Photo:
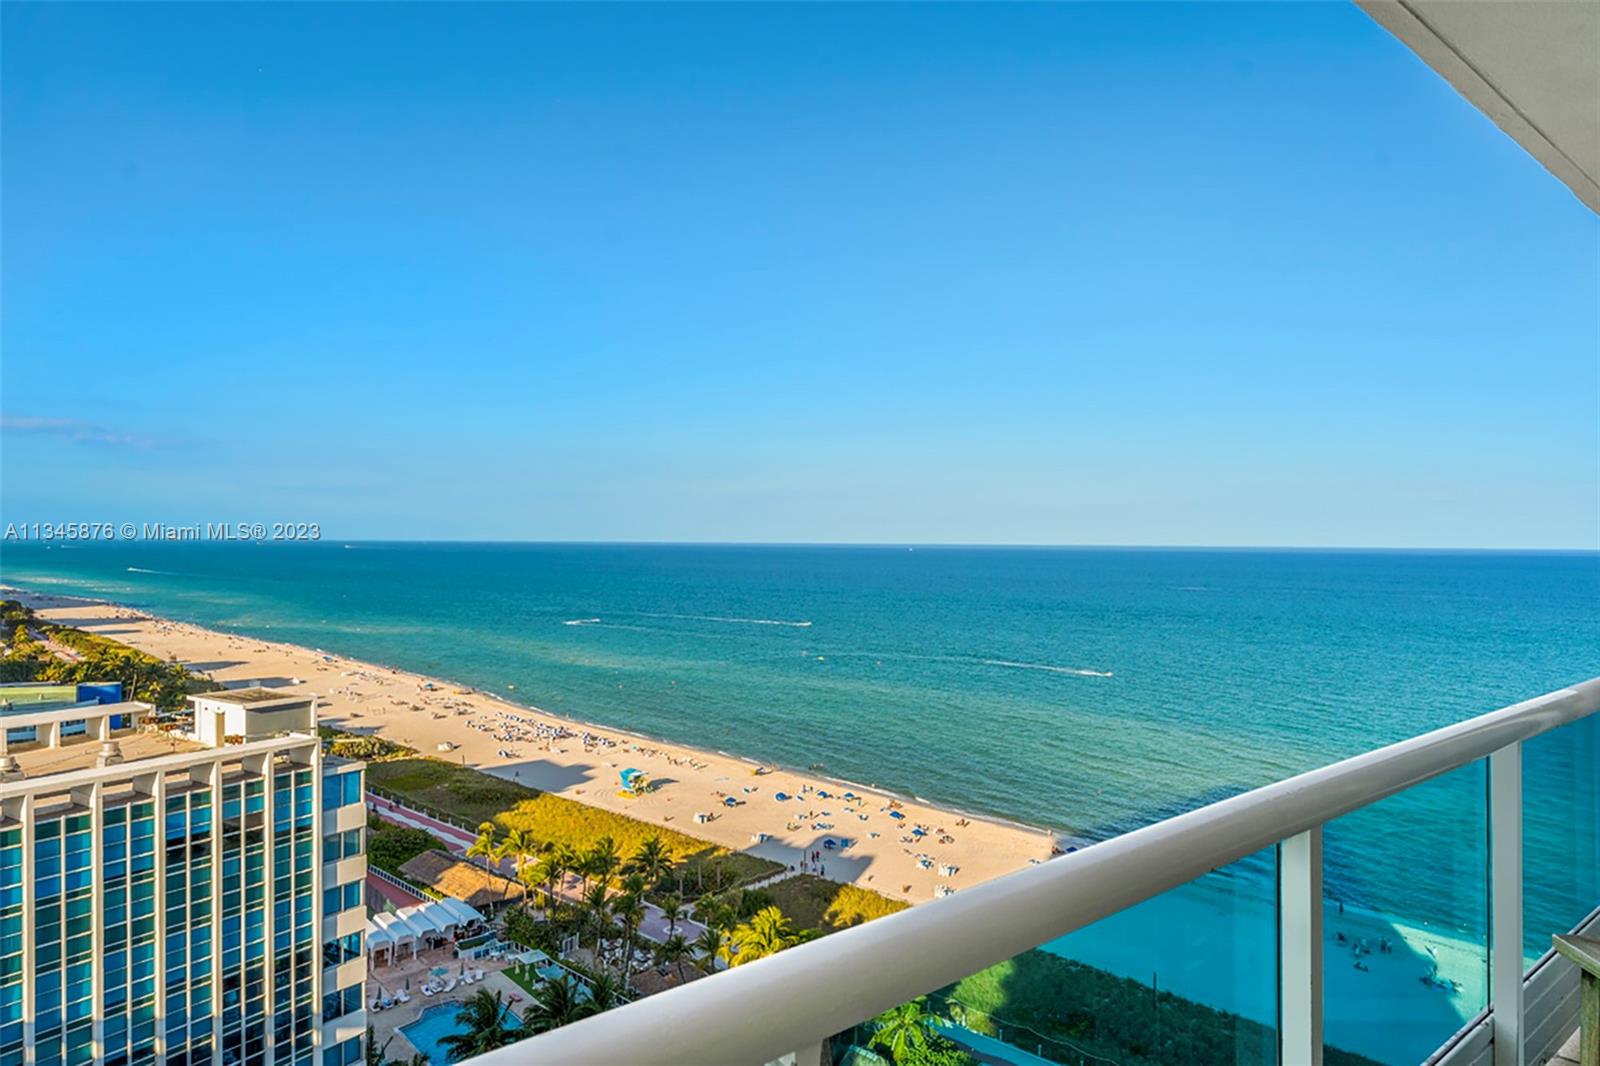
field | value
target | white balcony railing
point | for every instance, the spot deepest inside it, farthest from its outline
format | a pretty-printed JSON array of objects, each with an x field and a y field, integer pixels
[{"x": 788, "y": 1005}]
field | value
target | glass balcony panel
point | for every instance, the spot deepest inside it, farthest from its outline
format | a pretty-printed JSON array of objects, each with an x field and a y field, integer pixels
[
  {"x": 1188, "y": 977},
  {"x": 1406, "y": 919},
  {"x": 1561, "y": 832}
]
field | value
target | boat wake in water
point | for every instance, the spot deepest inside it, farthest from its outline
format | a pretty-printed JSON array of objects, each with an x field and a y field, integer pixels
[{"x": 1047, "y": 668}]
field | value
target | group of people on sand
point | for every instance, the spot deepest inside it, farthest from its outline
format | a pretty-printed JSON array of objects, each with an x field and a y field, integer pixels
[{"x": 512, "y": 728}]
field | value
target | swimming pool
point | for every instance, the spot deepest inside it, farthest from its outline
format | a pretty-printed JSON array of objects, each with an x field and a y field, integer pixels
[{"x": 437, "y": 1022}]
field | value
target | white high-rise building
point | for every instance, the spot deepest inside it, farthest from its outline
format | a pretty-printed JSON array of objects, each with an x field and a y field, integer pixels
[{"x": 183, "y": 896}]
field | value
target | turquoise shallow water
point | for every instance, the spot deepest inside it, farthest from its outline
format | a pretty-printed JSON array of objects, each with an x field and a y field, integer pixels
[{"x": 1087, "y": 690}]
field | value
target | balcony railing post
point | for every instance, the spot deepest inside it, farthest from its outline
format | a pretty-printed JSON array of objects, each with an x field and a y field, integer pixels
[
  {"x": 1505, "y": 893},
  {"x": 1300, "y": 949}
]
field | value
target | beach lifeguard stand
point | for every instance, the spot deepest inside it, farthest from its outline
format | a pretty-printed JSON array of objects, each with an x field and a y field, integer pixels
[{"x": 634, "y": 783}]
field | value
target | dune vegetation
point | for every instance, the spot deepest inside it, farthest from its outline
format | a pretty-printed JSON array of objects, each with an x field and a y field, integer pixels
[{"x": 471, "y": 797}]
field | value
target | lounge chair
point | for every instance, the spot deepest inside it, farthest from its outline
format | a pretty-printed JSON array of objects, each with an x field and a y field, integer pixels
[
  {"x": 450, "y": 985},
  {"x": 478, "y": 974},
  {"x": 402, "y": 996}
]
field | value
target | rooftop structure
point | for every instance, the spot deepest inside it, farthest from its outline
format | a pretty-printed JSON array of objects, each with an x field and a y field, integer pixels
[
  {"x": 453, "y": 877},
  {"x": 248, "y": 713},
  {"x": 163, "y": 893}
]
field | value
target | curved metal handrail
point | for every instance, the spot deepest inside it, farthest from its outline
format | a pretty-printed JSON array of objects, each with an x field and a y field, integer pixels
[{"x": 759, "y": 1012}]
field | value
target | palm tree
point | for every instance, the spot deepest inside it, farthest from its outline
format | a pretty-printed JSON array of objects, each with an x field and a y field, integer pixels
[
  {"x": 518, "y": 846},
  {"x": 605, "y": 992},
  {"x": 484, "y": 848},
  {"x": 673, "y": 910},
  {"x": 598, "y": 911},
  {"x": 674, "y": 951},
  {"x": 548, "y": 872},
  {"x": 629, "y": 910},
  {"x": 570, "y": 862},
  {"x": 554, "y": 1004},
  {"x": 482, "y": 1024},
  {"x": 712, "y": 945},
  {"x": 652, "y": 861},
  {"x": 632, "y": 884},
  {"x": 715, "y": 911},
  {"x": 603, "y": 860},
  {"x": 904, "y": 1029},
  {"x": 766, "y": 933}
]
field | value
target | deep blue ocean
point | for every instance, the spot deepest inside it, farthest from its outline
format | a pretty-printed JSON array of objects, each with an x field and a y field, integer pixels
[{"x": 1086, "y": 690}]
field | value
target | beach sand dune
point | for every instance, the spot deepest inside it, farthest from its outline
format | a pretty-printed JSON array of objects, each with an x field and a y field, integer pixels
[{"x": 899, "y": 847}]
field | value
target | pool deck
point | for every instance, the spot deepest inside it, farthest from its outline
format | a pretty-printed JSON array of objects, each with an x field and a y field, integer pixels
[{"x": 386, "y": 1024}]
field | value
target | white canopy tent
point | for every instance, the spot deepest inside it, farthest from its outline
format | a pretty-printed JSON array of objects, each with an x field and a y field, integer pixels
[
  {"x": 465, "y": 913},
  {"x": 417, "y": 926},
  {"x": 391, "y": 932},
  {"x": 430, "y": 919}
]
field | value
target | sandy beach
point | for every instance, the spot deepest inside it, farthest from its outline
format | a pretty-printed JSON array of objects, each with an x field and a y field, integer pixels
[{"x": 582, "y": 761}]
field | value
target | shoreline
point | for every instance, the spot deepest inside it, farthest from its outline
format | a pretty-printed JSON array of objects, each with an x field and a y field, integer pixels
[
  {"x": 908, "y": 867},
  {"x": 1125, "y": 944},
  {"x": 1062, "y": 837}
]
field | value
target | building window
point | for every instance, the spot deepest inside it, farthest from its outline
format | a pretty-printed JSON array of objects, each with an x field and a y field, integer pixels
[
  {"x": 347, "y": 1053},
  {"x": 341, "y": 790}
]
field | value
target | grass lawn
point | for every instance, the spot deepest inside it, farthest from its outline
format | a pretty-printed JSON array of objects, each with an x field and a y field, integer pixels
[
  {"x": 527, "y": 984},
  {"x": 472, "y": 796},
  {"x": 812, "y": 902}
]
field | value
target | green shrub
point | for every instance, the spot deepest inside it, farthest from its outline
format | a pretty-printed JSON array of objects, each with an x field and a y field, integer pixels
[
  {"x": 393, "y": 846},
  {"x": 354, "y": 746},
  {"x": 813, "y": 902},
  {"x": 938, "y": 1051}
]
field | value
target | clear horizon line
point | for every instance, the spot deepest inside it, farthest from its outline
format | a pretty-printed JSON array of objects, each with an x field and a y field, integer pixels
[{"x": 935, "y": 545}]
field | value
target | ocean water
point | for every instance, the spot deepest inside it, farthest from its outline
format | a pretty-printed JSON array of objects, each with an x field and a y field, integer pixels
[{"x": 1085, "y": 690}]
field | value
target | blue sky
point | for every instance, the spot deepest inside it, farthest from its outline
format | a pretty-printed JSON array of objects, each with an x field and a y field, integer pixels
[{"x": 1211, "y": 274}]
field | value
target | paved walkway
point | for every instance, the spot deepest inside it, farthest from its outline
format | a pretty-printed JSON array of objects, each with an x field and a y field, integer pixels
[
  {"x": 387, "y": 891},
  {"x": 781, "y": 875}
]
